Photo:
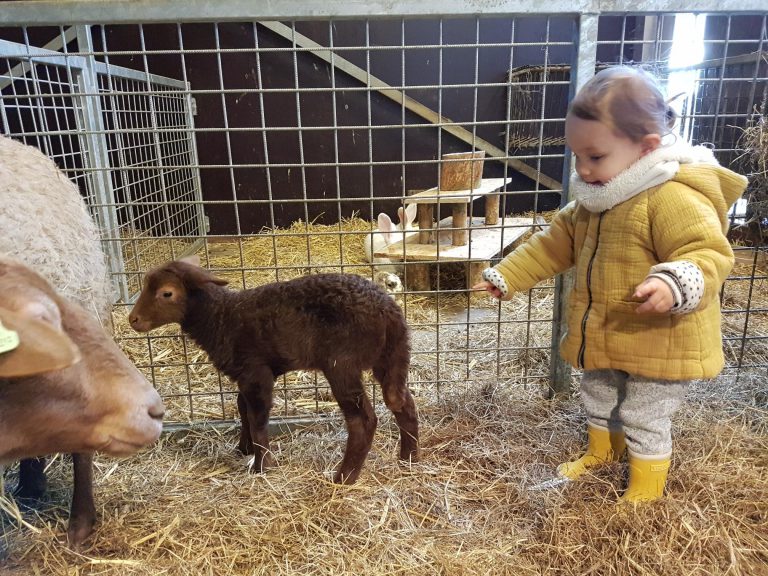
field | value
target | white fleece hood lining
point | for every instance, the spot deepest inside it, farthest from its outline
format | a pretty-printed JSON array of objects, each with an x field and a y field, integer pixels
[{"x": 651, "y": 170}]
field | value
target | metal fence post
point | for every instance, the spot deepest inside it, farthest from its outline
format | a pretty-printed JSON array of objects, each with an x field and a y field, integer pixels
[
  {"x": 96, "y": 160},
  {"x": 582, "y": 70}
]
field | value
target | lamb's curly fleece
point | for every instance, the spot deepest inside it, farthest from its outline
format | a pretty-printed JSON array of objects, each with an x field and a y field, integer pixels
[{"x": 45, "y": 223}]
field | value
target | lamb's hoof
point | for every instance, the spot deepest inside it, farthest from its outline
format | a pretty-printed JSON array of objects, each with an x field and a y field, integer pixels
[
  {"x": 344, "y": 477},
  {"x": 79, "y": 530},
  {"x": 410, "y": 454},
  {"x": 259, "y": 464},
  {"x": 246, "y": 448}
]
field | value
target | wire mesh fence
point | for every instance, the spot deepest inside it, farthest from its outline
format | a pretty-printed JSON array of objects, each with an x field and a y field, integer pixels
[{"x": 269, "y": 147}]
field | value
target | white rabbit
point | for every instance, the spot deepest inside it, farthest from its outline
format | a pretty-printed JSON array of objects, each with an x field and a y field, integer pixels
[{"x": 386, "y": 234}]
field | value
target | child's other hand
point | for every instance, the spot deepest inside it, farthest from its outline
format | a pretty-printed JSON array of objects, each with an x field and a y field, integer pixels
[
  {"x": 491, "y": 289},
  {"x": 657, "y": 295}
]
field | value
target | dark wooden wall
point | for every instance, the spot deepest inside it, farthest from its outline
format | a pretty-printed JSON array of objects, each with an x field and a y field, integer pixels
[
  {"x": 420, "y": 142},
  {"x": 232, "y": 163}
]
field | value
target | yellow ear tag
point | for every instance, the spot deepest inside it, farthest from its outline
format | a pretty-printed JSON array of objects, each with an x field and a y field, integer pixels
[{"x": 9, "y": 340}]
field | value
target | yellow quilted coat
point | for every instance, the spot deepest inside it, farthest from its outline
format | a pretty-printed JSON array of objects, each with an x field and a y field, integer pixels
[{"x": 682, "y": 219}]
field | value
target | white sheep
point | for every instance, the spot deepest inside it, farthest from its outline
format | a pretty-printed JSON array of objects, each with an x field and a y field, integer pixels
[
  {"x": 88, "y": 397},
  {"x": 45, "y": 224}
]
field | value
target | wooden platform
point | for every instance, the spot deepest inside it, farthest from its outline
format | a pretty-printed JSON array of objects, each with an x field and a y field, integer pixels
[
  {"x": 459, "y": 200},
  {"x": 433, "y": 195},
  {"x": 486, "y": 242}
]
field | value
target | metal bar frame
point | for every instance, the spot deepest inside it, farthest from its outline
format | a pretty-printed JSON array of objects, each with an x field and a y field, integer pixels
[
  {"x": 48, "y": 12},
  {"x": 281, "y": 18}
]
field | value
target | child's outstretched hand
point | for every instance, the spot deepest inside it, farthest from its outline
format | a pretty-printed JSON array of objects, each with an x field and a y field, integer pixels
[
  {"x": 657, "y": 295},
  {"x": 491, "y": 289},
  {"x": 494, "y": 283}
]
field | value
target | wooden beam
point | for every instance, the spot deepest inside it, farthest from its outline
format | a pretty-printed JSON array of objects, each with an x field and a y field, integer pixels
[{"x": 409, "y": 103}]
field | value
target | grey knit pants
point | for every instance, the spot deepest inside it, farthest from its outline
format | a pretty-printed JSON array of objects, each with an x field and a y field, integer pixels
[{"x": 643, "y": 408}]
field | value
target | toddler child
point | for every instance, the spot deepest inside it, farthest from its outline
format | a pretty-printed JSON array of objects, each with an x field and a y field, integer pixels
[{"x": 646, "y": 236}]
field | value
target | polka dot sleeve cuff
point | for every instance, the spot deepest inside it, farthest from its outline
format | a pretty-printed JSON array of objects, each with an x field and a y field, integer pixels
[
  {"x": 494, "y": 277},
  {"x": 686, "y": 281}
]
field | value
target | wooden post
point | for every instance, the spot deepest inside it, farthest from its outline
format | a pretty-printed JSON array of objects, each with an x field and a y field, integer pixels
[
  {"x": 475, "y": 275},
  {"x": 492, "y": 209},
  {"x": 425, "y": 216},
  {"x": 459, "y": 224},
  {"x": 417, "y": 277}
]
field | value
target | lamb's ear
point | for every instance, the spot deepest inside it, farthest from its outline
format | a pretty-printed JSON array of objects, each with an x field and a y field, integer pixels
[
  {"x": 41, "y": 347},
  {"x": 194, "y": 276},
  {"x": 193, "y": 259}
]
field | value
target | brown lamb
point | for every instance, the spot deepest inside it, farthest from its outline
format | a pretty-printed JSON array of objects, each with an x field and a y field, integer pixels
[{"x": 340, "y": 324}]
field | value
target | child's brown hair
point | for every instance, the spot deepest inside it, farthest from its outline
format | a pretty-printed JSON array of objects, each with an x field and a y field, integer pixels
[{"x": 627, "y": 100}]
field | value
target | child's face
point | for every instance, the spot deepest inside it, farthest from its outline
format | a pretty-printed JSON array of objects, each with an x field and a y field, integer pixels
[{"x": 601, "y": 153}]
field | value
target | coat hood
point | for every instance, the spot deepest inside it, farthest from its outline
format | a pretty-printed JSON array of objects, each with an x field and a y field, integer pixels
[{"x": 720, "y": 185}]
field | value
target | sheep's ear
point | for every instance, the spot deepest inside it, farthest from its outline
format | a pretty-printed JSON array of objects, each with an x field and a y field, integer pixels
[{"x": 41, "y": 348}]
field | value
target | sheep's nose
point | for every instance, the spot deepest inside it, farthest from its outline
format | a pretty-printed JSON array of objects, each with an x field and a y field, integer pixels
[{"x": 157, "y": 409}]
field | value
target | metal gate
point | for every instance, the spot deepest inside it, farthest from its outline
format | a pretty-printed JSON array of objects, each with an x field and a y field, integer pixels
[
  {"x": 124, "y": 136},
  {"x": 313, "y": 118}
]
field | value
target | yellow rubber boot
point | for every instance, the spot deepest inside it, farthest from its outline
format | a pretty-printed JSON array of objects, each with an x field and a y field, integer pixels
[
  {"x": 647, "y": 478},
  {"x": 604, "y": 446}
]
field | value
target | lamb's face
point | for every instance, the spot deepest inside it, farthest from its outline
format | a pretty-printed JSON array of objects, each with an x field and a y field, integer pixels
[{"x": 163, "y": 300}]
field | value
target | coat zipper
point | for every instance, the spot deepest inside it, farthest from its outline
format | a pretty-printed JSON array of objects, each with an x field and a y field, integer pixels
[{"x": 589, "y": 295}]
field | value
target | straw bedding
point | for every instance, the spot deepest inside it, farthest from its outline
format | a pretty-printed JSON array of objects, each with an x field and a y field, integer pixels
[{"x": 188, "y": 507}]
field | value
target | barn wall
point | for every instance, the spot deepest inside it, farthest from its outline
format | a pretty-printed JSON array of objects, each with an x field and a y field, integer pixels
[{"x": 355, "y": 184}]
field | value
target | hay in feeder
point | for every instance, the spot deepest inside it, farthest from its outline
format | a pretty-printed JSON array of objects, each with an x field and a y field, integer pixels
[
  {"x": 754, "y": 141},
  {"x": 528, "y": 105}
]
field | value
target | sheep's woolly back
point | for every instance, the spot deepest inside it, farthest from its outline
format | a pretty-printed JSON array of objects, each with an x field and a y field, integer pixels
[{"x": 45, "y": 223}]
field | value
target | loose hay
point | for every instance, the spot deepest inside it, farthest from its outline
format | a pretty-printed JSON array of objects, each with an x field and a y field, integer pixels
[{"x": 188, "y": 507}]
